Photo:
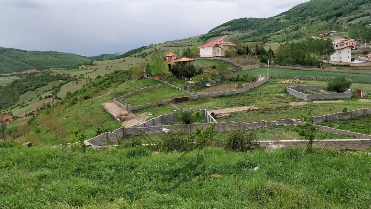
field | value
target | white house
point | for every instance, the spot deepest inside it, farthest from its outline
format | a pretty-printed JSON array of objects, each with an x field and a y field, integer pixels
[
  {"x": 343, "y": 51},
  {"x": 215, "y": 48},
  {"x": 342, "y": 55}
]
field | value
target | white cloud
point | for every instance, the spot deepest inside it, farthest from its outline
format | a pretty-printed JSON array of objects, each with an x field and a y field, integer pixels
[{"x": 91, "y": 27}]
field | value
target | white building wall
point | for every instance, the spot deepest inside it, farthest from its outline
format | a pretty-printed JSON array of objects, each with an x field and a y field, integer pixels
[
  {"x": 207, "y": 52},
  {"x": 342, "y": 55}
]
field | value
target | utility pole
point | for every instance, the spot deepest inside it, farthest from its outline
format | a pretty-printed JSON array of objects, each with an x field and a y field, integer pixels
[{"x": 268, "y": 70}]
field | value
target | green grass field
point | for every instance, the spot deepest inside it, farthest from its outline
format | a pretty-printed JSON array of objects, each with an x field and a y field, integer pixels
[
  {"x": 276, "y": 72},
  {"x": 133, "y": 85},
  {"x": 128, "y": 178},
  {"x": 270, "y": 95},
  {"x": 359, "y": 125},
  {"x": 154, "y": 95},
  {"x": 6, "y": 80},
  {"x": 209, "y": 63}
]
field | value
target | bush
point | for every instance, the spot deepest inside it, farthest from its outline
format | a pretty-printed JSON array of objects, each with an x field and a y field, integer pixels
[
  {"x": 241, "y": 141},
  {"x": 8, "y": 144},
  {"x": 185, "y": 70},
  {"x": 202, "y": 79},
  {"x": 339, "y": 84},
  {"x": 185, "y": 116},
  {"x": 136, "y": 152},
  {"x": 179, "y": 141}
]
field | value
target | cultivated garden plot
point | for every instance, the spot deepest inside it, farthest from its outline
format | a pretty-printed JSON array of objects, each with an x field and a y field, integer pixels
[{"x": 359, "y": 125}]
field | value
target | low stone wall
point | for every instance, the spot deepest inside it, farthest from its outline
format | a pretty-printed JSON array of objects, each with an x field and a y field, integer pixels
[
  {"x": 364, "y": 64},
  {"x": 337, "y": 144},
  {"x": 120, "y": 133},
  {"x": 107, "y": 138},
  {"x": 342, "y": 116},
  {"x": 296, "y": 92}
]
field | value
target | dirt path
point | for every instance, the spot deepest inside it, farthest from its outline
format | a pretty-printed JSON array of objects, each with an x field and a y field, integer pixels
[
  {"x": 231, "y": 110},
  {"x": 327, "y": 102},
  {"x": 365, "y": 100},
  {"x": 138, "y": 119},
  {"x": 298, "y": 103},
  {"x": 115, "y": 110}
]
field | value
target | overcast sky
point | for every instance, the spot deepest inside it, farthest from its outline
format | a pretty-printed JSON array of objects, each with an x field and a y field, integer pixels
[{"x": 92, "y": 27}]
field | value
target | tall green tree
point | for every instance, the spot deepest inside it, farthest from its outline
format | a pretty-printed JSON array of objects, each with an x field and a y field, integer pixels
[
  {"x": 353, "y": 32},
  {"x": 157, "y": 65}
]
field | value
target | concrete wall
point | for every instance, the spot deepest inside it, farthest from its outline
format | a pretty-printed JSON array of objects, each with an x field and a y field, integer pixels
[
  {"x": 207, "y": 52},
  {"x": 107, "y": 138},
  {"x": 296, "y": 92}
]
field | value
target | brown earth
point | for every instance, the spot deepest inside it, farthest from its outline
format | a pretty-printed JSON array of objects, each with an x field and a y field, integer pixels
[{"x": 230, "y": 110}]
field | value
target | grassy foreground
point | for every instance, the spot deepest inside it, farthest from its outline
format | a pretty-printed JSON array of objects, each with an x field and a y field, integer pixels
[{"x": 127, "y": 178}]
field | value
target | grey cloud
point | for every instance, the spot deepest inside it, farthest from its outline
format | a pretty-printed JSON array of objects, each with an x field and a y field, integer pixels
[
  {"x": 91, "y": 27},
  {"x": 20, "y": 3}
]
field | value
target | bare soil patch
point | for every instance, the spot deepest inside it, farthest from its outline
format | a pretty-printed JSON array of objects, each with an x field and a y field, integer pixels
[
  {"x": 231, "y": 110},
  {"x": 365, "y": 100},
  {"x": 138, "y": 119},
  {"x": 327, "y": 102},
  {"x": 298, "y": 103},
  {"x": 221, "y": 87}
]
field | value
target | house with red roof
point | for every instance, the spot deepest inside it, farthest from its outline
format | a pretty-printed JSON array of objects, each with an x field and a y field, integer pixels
[{"x": 215, "y": 48}]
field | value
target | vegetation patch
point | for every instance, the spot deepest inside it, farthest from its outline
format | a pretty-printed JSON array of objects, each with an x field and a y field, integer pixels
[
  {"x": 115, "y": 178},
  {"x": 358, "y": 125},
  {"x": 154, "y": 95}
]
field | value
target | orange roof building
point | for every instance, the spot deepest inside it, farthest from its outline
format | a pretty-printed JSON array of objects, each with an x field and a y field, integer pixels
[
  {"x": 185, "y": 59},
  {"x": 170, "y": 58}
]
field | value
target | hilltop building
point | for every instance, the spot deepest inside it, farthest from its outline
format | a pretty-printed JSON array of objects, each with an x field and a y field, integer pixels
[{"x": 215, "y": 48}]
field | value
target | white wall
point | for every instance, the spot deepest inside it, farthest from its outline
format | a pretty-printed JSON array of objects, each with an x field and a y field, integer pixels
[
  {"x": 342, "y": 55},
  {"x": 206, "y": 52}
]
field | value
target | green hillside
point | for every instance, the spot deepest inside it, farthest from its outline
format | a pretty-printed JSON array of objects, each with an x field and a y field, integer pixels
[
  {"x": 15, "y": 60},
  {"x": 303, "y": 20}
]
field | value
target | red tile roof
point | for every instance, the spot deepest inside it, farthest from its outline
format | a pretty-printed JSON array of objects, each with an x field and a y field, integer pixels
[
  {"x": 171, "y": 54},
  {"x": 217, "y": 41},
  {"x": 185, "y": 59}
]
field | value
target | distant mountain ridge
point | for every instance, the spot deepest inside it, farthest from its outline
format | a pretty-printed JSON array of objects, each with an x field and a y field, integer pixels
[{"x": 15, "y": 60}]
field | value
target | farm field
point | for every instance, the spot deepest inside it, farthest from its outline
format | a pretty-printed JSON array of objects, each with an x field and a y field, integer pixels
[
  {"x": 120, "y": 178},
  {"x": 101, "y": 68},
  {"x": 72, "y": 87},
  {"x": 154, "y": 95},
  {"x": 277, "y": 72},
  {"x": 6, "y": 80},
  {"x": 267, "y": 98},
  {"x": 130, "y": 86},
  {"x": 359, "y": 125}
]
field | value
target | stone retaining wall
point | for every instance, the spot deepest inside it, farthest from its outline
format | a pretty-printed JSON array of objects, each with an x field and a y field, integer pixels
[
  {"x": 106, "y": 138},
  {"x": 296, "y": 92},
  {"x": 322, "y": 70}
]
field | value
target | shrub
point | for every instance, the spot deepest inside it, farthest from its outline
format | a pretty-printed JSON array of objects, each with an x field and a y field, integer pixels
[
  {"x": 339, "y": 84},
  {"x": 136, "y": 152},
  {"x": 241, "y": 141},
  {"x": 185, "y": 70},
  {"x": 176, "y": 142},
  {"x": 8, "y": 144},
  {"x": 185, "y": 116},
  {"x": 201, "y": 79},
  {"x": 135, "y": 142}
]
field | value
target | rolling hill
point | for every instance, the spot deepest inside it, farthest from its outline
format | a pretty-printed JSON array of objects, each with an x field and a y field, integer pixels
[
  {"x": 303, "y": 20},
  {"x": 15, "y": 60}
]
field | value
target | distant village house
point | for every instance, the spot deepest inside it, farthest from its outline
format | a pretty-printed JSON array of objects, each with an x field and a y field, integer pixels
[{"x": 215, "y": 48}]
